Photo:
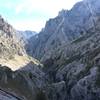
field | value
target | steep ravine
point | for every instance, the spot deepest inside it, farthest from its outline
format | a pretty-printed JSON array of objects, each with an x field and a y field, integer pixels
[
  {"x": 69, "y": 50},
  {"x": 20, "y": 76}
]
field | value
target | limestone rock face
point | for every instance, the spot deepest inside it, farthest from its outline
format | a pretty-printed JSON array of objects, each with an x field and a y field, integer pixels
[
  {"x": 67, "y": 26},
  {"x": 69, "y": 49}
]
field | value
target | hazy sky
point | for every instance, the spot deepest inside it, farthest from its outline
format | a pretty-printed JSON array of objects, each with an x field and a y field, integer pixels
[{"x": 32, "y": 14}]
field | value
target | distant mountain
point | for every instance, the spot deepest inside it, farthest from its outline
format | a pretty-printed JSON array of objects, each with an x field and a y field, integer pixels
[{"x": 25, "y": 34}]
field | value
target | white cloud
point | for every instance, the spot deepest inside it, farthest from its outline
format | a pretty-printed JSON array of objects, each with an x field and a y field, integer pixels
[
  {"x": 35, "y": 25},
  {"x": 45, "y": 7},
  {"x": 19, "y": 8},
  {"x": 50, "y": 7}
]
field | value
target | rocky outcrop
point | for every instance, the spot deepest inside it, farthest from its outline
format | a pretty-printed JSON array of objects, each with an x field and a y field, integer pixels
[{"x": 5, "y": 27}]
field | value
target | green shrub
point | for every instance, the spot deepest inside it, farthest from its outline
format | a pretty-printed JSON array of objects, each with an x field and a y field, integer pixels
[
  {"x": 98, "y": 78},
  {"x": 41, "y": 96}
]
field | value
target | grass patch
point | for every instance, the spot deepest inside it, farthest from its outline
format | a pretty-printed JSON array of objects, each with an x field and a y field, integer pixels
[
  {"x": 17, "y": 61},
  {"x": 41, "y": 96}
]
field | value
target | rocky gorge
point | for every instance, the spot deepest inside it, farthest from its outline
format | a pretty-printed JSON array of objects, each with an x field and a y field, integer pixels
[{"x": 68, "y": 51}]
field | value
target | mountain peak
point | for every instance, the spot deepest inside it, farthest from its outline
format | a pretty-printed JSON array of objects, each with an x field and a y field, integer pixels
[
  {"x": 5, "y": 27},
  {"x": 63, "y": 12}
]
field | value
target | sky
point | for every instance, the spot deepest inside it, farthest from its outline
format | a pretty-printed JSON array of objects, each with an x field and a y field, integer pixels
[{"x": 32, "y": 14}]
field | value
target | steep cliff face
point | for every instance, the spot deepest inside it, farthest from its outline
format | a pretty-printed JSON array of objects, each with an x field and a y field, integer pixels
[
  {"x": 67, "y": 26},
  {"x": 76, "y": 66},
  {"x": 69, "y": 48}
]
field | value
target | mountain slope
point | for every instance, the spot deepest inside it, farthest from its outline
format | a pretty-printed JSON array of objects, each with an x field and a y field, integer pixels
[
  {"x": 20, "y": 76},
  {"x": 12, "y": 51},
  {"x": 9, "y": 45},
  {"x": 69, "y": 48},
  {"x": 67, "y": 26},
  {"x": 24, "y": 83}
]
